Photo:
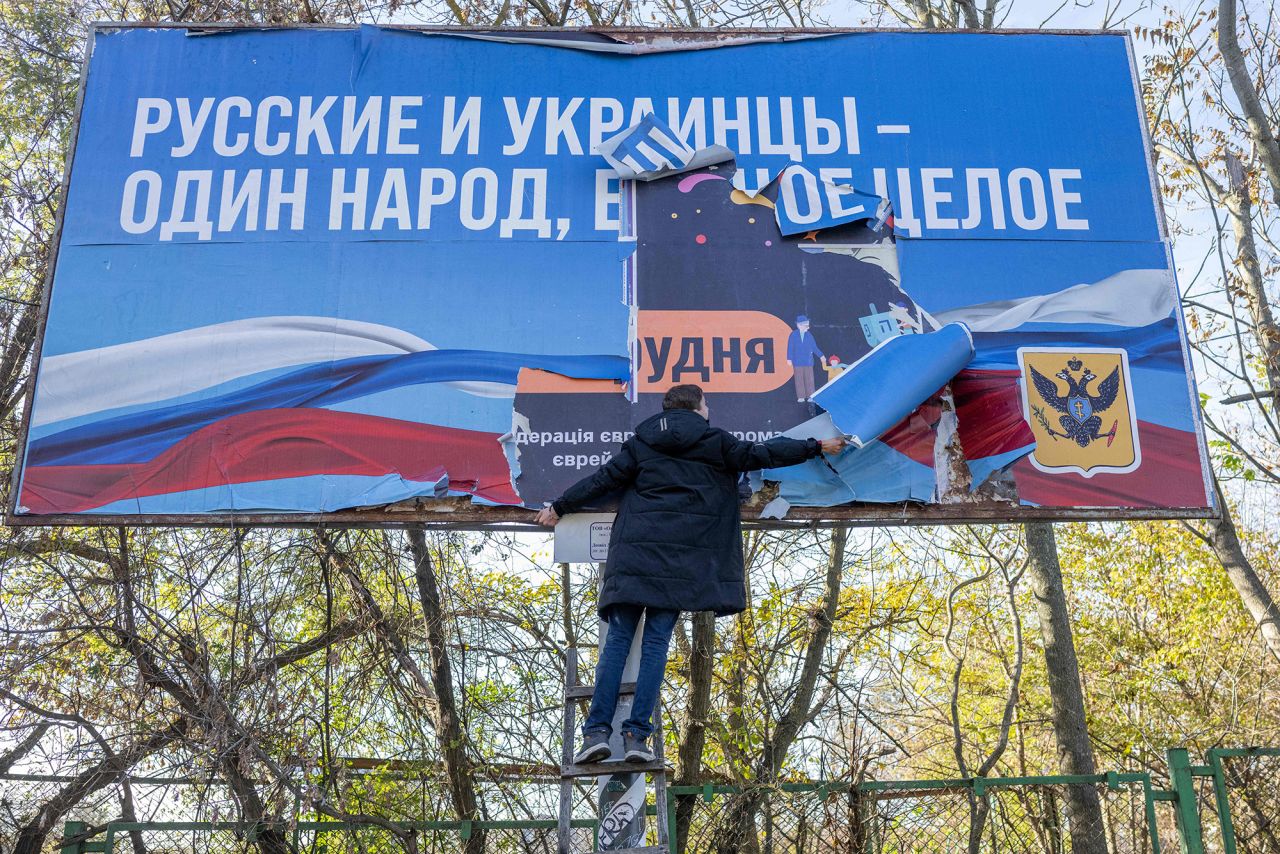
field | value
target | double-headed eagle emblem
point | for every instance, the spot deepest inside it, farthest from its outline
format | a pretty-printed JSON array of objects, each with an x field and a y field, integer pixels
[{"x": 1079, "y": 410}]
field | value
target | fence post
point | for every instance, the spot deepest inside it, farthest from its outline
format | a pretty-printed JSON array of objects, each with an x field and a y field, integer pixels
[
  {"x": 1223, "y": 801},
  {"x": 1149, "y": 802},
  {"x": 69, "y": 830},
  {"x": 1187, "y": 806},
  {"x": 673, "y": 843}
]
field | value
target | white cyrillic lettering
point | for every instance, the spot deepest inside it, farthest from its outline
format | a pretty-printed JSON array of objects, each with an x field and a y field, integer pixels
[
  {"x": 311, "y": 123},
  {"x": 488, "y": 199},
  {"x": 560, "y": 124},
  {"x": 835, "y": 190},
  {"x": 243, "y": 199},
  {"x": 221, "y": 116},
  {"x": 692, "y": 127},
  {"x": 296, "y": 199},
  {"x": 787, "y": 145},
  {"x": 903, "y": 216},
  {"x": 851, "y": 126},
  {"x": 815, "y": 128},
  {"x": 835, "y": 185},
  {"x": 521, "y": 126},
  {"x": 397, "y": 123},
  {"x": 340, "y": 197},
  {"x": 428, "y": 197},
  {"x": 995, "y": 191},
  {"x": 740, "y": 124},
  {"x": 144, "y": 124},
  {"x": 1062, "y": 198},
  {"x": 537, "y": 199},
  {"x": 368, "y": 124},
  {"x": 640, "y": 108},
  {"x": 199, "y": 224},
  {"x": 813, "y": 201},
  {"x": 191, "y": 126},
  {"x": 600, "y": 126},
  {"x": 1039, "y": 211},
  {"x": 262, "y": 126},
  {"x": 151, "y": 204},
  {"x": 393, "y": 202},
  {"x": 608, "y": 198},
  {"x": 934, "y": 197},
  {"x": 456, "y": 125}
]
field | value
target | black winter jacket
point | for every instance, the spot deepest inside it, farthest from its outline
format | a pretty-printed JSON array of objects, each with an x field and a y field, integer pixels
[{"x": 677, "y": 540}]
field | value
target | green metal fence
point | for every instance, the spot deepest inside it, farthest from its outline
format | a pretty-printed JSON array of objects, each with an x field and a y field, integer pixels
[{"x": 1230, "y": 804}]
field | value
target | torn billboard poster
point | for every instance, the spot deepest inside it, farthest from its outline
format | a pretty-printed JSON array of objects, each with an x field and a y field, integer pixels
[
  {"x": 883, "y": 387},
  {"x": 650, "y": 149},
  {"x": 296, "y": 274}
]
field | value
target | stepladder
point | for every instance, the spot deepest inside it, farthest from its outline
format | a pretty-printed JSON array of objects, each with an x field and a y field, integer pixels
[{"x": 623, "y": 796}]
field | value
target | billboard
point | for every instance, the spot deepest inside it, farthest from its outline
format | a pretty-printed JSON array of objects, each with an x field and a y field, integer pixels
[{"x": 382, "y": 274}]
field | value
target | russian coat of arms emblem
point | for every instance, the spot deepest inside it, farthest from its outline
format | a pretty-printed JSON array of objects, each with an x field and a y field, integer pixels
[{"x": 1080, "y": 408}]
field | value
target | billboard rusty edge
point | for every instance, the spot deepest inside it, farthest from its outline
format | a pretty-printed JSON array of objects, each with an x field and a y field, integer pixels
[
  {"x": 466, "y": 517},
  {"x": 460, "y": 514}
]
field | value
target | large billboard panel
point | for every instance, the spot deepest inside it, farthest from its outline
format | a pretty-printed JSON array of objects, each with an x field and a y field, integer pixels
[{"x": 376, "y": 273}]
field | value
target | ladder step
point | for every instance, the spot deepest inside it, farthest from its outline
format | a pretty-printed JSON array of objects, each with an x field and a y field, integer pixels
[
  {"x": 585, "y": 692},
  {"x": 599, "y": 769}
]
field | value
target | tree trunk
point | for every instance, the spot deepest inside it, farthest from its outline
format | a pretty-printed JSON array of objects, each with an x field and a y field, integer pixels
[
  {"x": 1075, "y": 752},
  {"x": 694, "y": 728},
  {"x": 1260, "y": 130},
  {"x": 1265, "y": 331},
  {"x": 453, "y": 742},
  {"x": 1225, "y": 542}
]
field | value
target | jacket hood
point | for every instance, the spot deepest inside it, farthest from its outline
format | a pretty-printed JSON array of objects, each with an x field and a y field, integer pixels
[{"x": 673, "y": 430}]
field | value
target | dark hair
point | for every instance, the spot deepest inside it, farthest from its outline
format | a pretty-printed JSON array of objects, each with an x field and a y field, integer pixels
[{"x": 682, "y": 397}]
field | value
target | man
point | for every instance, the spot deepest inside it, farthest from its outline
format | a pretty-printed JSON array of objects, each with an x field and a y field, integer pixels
[
  {"x": 801, "y": 348},
  {"x": 676, "y": 546}
]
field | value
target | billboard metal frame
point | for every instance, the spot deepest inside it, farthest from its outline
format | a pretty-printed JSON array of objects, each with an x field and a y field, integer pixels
[{"x": 460, "y": 513}]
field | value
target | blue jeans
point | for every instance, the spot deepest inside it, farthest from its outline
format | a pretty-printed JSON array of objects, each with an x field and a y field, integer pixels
[{"x": 623, "y": 619}]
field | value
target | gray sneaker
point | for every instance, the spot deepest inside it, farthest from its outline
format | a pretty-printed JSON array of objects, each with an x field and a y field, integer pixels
[
  {"x": 595, "y": 748},
  {"x": 635, "y": 749}
]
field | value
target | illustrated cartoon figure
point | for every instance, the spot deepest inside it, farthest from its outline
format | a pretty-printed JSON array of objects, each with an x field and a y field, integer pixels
[
  {"x": 834, "y": 367},
  {"x": 801, "y": 348},
  {"x": 1079, "y": 418},
  {"x": 879, "y": 326}
]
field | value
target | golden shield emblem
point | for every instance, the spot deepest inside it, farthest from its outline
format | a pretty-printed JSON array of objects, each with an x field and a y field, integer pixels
[{"x": 1079, "y": 403}]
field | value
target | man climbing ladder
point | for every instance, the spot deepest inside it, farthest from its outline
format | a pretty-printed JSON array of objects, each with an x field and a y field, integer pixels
[{"x": 676, "y": 546}]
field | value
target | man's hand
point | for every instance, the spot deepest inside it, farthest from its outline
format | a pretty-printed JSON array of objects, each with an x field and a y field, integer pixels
[
  {"x": 547, "y": 517},
  {"x": 834, "y": 446}
]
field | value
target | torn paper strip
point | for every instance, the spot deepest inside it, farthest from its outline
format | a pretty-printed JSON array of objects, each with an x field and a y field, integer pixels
[
  {"x": 1127, "y": 298},
  {"x": 884, "y": 386},
  {"x": 650, "y": 149},
  {"x": 807, "y": 203},
  {"x": 775, "y": 509}
]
